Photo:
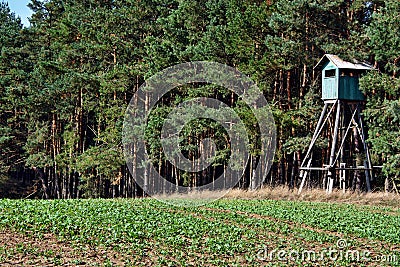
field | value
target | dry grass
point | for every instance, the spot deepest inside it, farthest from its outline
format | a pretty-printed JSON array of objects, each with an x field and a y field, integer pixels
[
  {"x": 284, "y": 193},
  {"x": 318, "y": 195}
]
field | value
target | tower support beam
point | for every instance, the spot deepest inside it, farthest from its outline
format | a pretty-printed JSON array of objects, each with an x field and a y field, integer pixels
[
  {"x": 333, "y": 149},
  {"x": 367, "y": 162},
  {"x": 317, "y": 132}
]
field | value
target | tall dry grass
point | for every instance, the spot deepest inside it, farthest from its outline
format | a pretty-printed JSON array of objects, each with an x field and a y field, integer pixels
[
  {"x": 284, "y": 193},
  {"x": 318, "y": 195}
]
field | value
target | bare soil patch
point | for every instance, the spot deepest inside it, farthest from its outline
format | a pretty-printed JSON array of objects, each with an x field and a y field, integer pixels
[{"x": 17, "y": 249}]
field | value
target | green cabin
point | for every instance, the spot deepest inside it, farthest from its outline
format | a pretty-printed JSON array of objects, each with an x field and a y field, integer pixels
[{"x": 340, "y": 78}]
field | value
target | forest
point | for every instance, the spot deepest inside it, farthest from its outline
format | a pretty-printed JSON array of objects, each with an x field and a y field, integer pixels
[{"x": 67, "y": 79}]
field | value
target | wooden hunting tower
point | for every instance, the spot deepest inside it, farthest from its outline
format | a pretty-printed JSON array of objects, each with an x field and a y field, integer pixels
[{"x": 340, "y": 90}]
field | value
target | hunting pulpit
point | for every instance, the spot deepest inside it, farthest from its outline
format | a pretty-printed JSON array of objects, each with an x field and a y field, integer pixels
[{"x": 347, "y": 149}]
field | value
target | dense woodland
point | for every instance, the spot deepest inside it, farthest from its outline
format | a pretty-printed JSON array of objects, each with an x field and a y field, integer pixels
[{"x": 66, "y": 81}]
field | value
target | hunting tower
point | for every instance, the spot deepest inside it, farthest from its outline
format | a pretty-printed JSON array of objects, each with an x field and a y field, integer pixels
[{"x": 347, "y": 150}]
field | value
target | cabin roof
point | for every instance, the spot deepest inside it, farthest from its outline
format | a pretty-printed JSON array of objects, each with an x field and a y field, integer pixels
[{"x": 341, "y": 64}]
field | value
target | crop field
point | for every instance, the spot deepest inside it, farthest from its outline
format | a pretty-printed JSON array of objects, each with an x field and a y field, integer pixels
[{"x": 227, "y": 232}]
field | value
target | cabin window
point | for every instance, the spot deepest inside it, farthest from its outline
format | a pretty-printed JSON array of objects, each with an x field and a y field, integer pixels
[
  {"x": 349, "y": 73},
  {"x": 330, "y": 73}
]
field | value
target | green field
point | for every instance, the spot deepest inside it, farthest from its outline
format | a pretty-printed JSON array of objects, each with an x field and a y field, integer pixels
[{"x": 145, "y": 232}]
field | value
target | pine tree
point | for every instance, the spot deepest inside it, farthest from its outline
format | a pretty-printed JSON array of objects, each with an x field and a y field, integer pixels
[
  {"x": 383, "y": 88},
  {"x": 14, "y": 70}
]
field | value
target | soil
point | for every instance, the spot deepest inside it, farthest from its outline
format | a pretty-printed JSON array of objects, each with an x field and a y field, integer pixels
[{"x": 22, "y": 250}]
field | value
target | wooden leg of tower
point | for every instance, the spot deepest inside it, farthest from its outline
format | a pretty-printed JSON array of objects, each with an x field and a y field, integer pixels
[
  {"x": 343, "y": 177},
  {"x": 367, "y": 162},
  {"x": 320, "y": 124},
  {"x": 333, "y": 148},
  {"x": 303, "y": 176},
  {"x": 367, "y": 177},
  {"x": 330, "y": 183}
]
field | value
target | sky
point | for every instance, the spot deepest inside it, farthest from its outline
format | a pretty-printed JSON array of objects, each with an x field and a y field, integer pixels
[{"x": 20, "y": 9}]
